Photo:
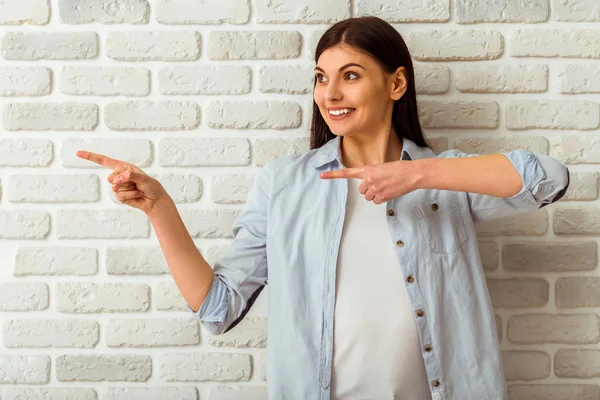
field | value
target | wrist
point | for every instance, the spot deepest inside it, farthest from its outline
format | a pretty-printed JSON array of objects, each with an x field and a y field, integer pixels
[
  {"x": 422, "y": 173},
  {"x": 163, "y": 206}
]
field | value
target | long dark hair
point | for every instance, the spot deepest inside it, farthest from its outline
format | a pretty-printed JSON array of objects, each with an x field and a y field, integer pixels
[{"x": 383, "y": 43}]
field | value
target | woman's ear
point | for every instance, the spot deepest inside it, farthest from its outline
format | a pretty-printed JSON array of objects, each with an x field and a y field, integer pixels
[{"x": 398, "y": 84}]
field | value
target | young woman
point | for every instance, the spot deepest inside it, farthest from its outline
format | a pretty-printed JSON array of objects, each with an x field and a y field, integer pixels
[{"x": 367, "y": 240}]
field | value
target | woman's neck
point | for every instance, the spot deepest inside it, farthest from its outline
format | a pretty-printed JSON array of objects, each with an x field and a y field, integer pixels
[{"x": 361, "y": 150}]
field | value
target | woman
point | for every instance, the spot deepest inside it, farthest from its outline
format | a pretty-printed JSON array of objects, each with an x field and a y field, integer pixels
[{"x": 413, "y": 317}]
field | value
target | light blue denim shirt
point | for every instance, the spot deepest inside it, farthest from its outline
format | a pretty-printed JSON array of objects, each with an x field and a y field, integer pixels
[{"x": 288, "y": 234}]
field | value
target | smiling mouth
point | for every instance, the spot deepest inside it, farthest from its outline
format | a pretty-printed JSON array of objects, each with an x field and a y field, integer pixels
[{"x": 340, "y": 112}]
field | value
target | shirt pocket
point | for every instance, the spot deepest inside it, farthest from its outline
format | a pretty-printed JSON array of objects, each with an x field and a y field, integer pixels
[{"x": 441, "y": 223}]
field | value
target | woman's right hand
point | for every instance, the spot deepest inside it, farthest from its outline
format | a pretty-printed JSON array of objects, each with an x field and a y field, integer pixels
[{"x": 131, "y": 185}]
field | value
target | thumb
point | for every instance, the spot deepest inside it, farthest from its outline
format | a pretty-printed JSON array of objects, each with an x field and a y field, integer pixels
[{"x": 130, "y": 176}]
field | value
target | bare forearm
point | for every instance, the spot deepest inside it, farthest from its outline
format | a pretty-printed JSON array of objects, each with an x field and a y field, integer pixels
[
  {"x": 192, "y": 274},
  {"x": 492, "y": 175}
]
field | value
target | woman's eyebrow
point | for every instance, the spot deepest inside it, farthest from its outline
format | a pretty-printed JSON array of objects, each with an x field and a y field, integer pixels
[{"x": 343, "y": 67}]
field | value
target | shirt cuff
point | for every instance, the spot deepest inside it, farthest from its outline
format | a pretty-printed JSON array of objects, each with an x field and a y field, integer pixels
[
  {"x": 531, "y": 172},
  {"x": 215, "y": 306}
]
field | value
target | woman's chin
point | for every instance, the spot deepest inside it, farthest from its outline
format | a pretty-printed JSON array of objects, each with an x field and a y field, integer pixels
[
  {"x": 341, "y": 129},
  {"x": 337, "y": 131}
]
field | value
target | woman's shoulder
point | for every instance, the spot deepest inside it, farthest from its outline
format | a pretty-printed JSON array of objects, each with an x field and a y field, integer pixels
[
  {"x": 294, "y": 171},
  {"x": 291, "y": 163}
]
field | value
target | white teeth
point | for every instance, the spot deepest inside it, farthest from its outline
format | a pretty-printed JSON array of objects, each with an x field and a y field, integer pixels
[{"x": 340, "y": 112}]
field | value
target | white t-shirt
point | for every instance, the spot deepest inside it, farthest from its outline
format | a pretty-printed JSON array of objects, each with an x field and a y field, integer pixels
[{"x": 376, "y": 350}]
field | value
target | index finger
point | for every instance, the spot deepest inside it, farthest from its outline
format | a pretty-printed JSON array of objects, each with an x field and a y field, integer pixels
[
  {"x": 343, "y": 173},
  {"x": 100, "y": 159}
]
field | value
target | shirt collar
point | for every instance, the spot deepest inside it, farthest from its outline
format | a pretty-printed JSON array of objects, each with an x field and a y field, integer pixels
[{"x": 331, "y": 151}]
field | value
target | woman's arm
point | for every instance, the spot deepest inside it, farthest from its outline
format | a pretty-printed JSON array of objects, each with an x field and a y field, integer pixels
[
  {"x": 191, "y": 273},
  {"x": 497, "y": 185},
  {"x": 137, "y": 189},
  {"x": 220, "y": 298},
  {"x": 492, "y": 174}
]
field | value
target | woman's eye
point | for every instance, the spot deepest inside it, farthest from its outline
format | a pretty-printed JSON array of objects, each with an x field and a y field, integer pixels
[{"x": 321, "y": 78}]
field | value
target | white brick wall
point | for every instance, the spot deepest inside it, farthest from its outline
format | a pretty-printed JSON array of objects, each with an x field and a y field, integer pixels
[{"x": 200, "y": 95}]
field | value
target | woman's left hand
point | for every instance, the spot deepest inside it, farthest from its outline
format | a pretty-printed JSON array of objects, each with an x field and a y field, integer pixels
[{"x": 381, "y": 182}]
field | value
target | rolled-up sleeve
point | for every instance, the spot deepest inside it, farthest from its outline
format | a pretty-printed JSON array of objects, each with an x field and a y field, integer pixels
[
  {"x": 241, "y": 273},
  {"x": 214, "y": 308},
  {"x": 545, "y": 181}
]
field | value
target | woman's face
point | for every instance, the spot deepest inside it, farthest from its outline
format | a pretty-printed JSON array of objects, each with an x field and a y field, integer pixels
[{"x": 352, "y": 91}]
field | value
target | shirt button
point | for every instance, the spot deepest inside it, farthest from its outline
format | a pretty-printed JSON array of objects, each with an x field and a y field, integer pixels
[
  {"x": 434, "y": 206},
  {"x": 420, "y": 313},
  {"x": 436, "y": 383},
  {"x": 400, "y": 243},
  {"x": 410, "y": 279},
  {"x": 428, "y": 348},
  {"x": 391, "y": 212}
]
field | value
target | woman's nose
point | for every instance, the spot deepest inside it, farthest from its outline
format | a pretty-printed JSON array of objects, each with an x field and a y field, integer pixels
[{"x": 333, "y": 92}]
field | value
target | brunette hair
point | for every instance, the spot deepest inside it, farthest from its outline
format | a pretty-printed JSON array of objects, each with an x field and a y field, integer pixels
[{"x": 379, "y": 40}]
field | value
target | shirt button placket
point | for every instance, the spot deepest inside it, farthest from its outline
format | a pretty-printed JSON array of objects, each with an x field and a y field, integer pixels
[
  {"x": 391, "y": 213},
  {"x": 411, "y": 279}
]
